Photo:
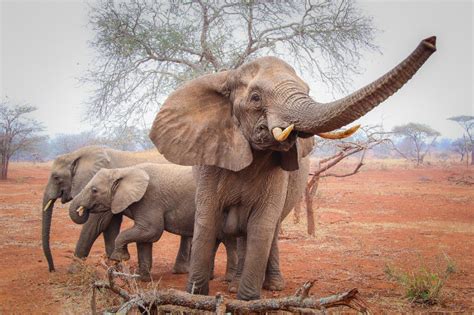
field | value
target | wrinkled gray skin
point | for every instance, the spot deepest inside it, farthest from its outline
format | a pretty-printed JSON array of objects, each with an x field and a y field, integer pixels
[
  {"x": 69, "y": 175},
  {"x": 274, "y": 280},
  {"x": 157, "y": 197},
  {"x": 229, "y": 124}
]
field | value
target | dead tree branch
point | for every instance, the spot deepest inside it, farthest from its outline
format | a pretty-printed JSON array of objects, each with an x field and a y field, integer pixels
[
  {"x": 171, "y": 298},
  {"x": 371, "y": 137}
]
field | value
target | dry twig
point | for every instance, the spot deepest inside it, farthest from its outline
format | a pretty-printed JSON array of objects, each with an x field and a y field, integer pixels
[{"x": 171, "y": 298}]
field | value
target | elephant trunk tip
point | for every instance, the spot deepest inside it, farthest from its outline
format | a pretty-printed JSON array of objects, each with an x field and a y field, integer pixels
[{"x": 430, "y": 43}]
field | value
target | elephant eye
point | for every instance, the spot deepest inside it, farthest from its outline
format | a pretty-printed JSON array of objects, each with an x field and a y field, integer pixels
[
  {"x": 93, "y": 189},
  {"x": 255, "y": 97},
  {"x": 56, "y": 177}
]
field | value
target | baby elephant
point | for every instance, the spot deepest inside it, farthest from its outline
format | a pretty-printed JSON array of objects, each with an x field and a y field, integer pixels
[{"x": 157, "y": 197}]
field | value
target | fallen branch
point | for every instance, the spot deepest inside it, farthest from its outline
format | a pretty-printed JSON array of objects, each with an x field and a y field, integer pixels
[{"x": 300, "y": 302}]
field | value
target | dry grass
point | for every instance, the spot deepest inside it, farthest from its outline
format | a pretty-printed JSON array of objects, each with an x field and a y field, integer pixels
[
  {"x": 75, "y": 292},
  {"x": 423, "y": 285}
]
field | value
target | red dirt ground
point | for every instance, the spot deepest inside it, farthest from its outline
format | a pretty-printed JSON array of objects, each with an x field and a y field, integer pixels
[{"x": 402, "y": 216}]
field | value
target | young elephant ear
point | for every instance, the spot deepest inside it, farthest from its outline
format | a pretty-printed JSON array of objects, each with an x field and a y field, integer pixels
[
  {"x": 85, "y": 164},
  {"x": 128, "y": 187},
  {"x": 195, "y": 126}
]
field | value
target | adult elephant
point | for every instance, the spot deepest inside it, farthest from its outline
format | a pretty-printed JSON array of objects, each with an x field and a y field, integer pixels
[
  {"x": 245, "y": 129},
  {"x": 69, "y": 175}
]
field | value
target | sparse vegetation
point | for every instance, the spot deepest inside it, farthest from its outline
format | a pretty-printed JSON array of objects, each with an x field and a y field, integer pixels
[
  {"x": 422, "y": 285},
  {"x": 18, "y": 132}
]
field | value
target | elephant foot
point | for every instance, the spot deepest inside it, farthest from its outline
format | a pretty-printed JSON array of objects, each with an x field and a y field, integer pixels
[
  {"x": 180, "y": 268},
  {"x": 193, "y": 288},
  {"x": 229, "y": 275},
  {"x": 75, "y": 266},
  {"x": 145, "y": 276},
  {"x": 248, "y": 297},
  {"x": 274, "y": 283},
  {"x": 234, "y": 285},
  {"x": 120, "y": 255}
]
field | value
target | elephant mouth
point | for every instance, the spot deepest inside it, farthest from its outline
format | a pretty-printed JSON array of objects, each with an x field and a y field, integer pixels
[
  {"x": 287, "y": 144},
  {"x": 266, "y": 141},
  {"x": 283, "y": 139},
  {"x": 65, "y": 197},
  {"x": 81, "y": 211}
]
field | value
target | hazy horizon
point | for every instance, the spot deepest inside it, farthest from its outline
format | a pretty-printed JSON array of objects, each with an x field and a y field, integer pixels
[{"x": 44, "y": 51}]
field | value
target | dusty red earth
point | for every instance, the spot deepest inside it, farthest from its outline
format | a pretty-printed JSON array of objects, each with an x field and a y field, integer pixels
[{"x": 400, "y": 216}]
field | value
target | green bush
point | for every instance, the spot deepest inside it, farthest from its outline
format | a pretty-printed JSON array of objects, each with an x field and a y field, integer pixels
[{"x": 422, "y": 285}]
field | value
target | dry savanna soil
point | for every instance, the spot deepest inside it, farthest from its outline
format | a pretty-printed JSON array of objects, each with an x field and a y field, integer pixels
[{"x": 389, "y": 214}]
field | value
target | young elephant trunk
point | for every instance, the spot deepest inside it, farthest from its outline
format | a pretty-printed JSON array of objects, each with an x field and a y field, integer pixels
[
  {"x": 310, "y": 117},
  {"x": 47, "y": 211},
  {"x": 77, "y": 217}
]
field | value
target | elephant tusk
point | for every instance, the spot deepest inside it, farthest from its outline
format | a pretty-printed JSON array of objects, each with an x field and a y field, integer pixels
[
  {"x": 48, "y": 204},
  {"x": 80, "y": 211},
  {"x": 280, "y": 135},
  {"x": 339, "y": 134}
]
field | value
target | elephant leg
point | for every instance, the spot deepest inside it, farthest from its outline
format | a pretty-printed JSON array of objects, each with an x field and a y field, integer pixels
[
  {"x": 204, "y": 239},
  {"x": 181, "y": 264},
  {"x": 230, "y": 244},
  {"x": 259, "y": 242},
  {"x": 274, "y": 280},
  {"x": 145, "y": 260},
  {"x": 241, "y": 249},
  {"x": 213, "y": 259},
  {"x": 139, "y": 233},
  {"x": 111, "y": 232},
  {"x": 95, "y": 225}
]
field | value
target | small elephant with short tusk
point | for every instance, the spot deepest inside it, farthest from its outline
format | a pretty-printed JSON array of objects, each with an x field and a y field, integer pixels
[{"x": 157, "y": 197}]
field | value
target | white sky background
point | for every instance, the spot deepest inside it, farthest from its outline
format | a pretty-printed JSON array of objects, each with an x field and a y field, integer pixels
[{"x": 44, "y": 50}]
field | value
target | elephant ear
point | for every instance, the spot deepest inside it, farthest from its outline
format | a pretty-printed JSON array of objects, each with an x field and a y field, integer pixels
[
  {"x": 128, "y": 187},
  {"x": 86, "y": 163},
  {"x": 195, "y": 126}
]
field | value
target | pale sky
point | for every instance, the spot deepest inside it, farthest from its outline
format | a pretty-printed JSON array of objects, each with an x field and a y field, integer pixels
[{"x": 44, "y": 50}]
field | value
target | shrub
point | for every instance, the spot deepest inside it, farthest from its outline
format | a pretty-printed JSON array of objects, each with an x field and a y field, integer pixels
[{"x": 423, "y": 285}]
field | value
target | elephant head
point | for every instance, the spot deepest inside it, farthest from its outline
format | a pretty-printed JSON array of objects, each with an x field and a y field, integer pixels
[
  {"x": 218, "y": 119},
  {"x": 69, "y": 174},
  {"x": 109, "y": 190}
]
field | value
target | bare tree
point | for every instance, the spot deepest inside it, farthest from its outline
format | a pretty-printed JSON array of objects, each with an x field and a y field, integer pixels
[
  {"x": 128, "y": 138},
  {"x": 417, "y": 138},
  {"x": 370, "y": 137},
  {"x": 65, "y": 143},
  {"x": 467, "y": 124},
  {"x": 17, "y": 132},
  {"x": 146, "y": 48}
]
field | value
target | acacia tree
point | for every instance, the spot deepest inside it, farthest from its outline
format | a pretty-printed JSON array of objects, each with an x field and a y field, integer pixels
[
  {"x": 461, "y": 146},
  {"x": 418, "y": 139},
  {"x": 467, "y": 124},
  {"x": 17, "y": 132},
  {"x": 146, "y": 48}
]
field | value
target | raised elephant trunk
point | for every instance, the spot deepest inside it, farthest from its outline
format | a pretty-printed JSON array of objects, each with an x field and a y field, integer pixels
[
  {"x": 47, "y": 211},
  {"x": 310, "y": 117}
]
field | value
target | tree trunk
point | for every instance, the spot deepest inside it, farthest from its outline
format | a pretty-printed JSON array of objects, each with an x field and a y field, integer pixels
[
  {"x": 297, "y": 213},
  {"x": 309, "y": 193},
  {"x": 4, "y": 174}
]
